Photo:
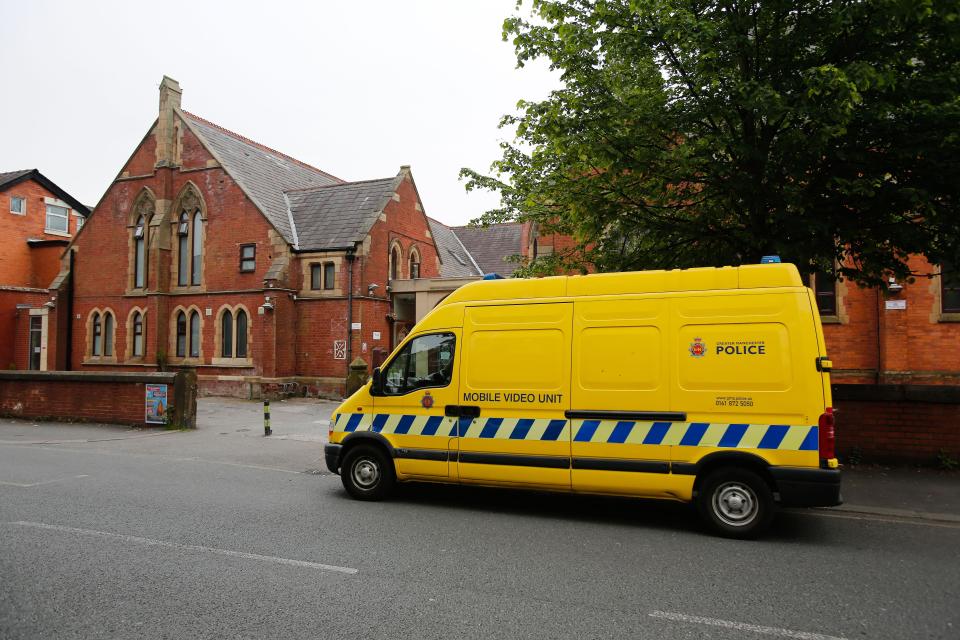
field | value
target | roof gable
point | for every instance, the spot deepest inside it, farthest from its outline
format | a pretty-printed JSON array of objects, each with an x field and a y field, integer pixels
[
  {"x": 13, "y": 178},
  {"x": 338, "y": 216}
]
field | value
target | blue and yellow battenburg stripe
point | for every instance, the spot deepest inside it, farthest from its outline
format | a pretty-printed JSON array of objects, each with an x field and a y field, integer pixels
[{"x": 721, "y": 435}]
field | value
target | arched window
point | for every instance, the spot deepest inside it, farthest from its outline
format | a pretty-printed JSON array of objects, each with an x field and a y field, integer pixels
[
  {"x": 97, "y": 335},
  {"x": 108, "y": 334},
  {"x": 233, "y": 333},
  {"x": 181, "y": 335},
  {"x": 396, "y": 259},
  {"x": 414, "y": 264},
  {"x": 197, "y": 248},
  {"x": 194, "y": 334},
  {"x": 226, "y": 335},
  {"x": 140, "y": 254},
  {"x": 183, "y": 250},
  {"x": 241, "y": 333},
  {"x": 137, "y": 334}
]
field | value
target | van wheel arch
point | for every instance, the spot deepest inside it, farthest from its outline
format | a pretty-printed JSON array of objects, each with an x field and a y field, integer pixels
[
  {"x": 369, "y": 438},
  {"x": 737, "y": 460}
]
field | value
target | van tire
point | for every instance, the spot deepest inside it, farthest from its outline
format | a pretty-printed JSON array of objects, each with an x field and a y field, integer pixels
[
  {"x": 367, "y": 473},
  {"x": 736, "y": 503}
]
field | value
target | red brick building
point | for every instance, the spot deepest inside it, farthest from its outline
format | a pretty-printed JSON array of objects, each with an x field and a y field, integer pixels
[
  {"x": 210, "y": 250},
  {"x": 37, "y": 221}
]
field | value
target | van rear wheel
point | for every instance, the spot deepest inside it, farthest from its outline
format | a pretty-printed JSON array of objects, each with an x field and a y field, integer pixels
[
  {"x": 736, "y": 503},
  {"x": 367, "y": 473}
]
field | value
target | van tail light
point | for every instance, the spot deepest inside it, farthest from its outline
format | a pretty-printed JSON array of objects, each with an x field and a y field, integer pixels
[{"x": 828, "y": 436}]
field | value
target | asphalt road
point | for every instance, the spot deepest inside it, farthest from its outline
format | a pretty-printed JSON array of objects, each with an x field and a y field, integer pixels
[{"x": 113, "y": 533}]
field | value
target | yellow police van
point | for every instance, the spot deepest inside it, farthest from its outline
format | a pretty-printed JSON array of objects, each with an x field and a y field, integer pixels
[{"x": 701, "y": 385}]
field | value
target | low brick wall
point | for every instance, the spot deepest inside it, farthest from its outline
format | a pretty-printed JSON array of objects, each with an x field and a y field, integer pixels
[
  {"x": 897, "y": 423},
  {"x": 115, "y": 398},
  {"x": 257, "y": 388}
]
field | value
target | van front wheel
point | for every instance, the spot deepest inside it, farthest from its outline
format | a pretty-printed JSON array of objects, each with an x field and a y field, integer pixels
[
  {"x": 736, "y": 503},
  {"x": 367, "y": 474}
]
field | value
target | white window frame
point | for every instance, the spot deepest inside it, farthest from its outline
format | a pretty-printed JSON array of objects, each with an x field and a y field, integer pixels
[
  {"x": 60, "y": 204},
  {"x": 23, "y": 205}
]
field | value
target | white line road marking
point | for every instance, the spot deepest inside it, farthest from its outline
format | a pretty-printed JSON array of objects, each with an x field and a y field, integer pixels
[
  {"x": 37, "y": 484},
  {"x": 185, "y": 547},
  {"x": 742, "y": 626}
]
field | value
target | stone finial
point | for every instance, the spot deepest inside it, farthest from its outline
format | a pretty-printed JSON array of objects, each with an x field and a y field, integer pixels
[{"x": 170, "y": 95}]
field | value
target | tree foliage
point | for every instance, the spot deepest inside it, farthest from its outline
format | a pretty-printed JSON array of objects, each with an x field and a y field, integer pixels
[{"x": 690, "y": 133}]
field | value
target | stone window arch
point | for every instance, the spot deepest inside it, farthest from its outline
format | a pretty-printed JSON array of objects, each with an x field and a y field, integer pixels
[
  {"x": 144, "y": 208},
  {"x": 234, "y": 334},
  {"x": 189, "y": 228},
  {"x": 136, "y": 344},
  {"x": 101, "y": 336},
  {"x": 414, "y": 268},
  {"x": 396, "y": 261},
  {"x": 186, "y": 334}
]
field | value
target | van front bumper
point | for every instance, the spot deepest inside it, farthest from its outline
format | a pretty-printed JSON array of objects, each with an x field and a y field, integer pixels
[
  {"x": 806, "y": 487},
  {"x": 332, "y": 454}
]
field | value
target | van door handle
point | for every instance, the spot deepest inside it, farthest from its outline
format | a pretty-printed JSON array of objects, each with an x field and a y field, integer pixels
[{"x": 461, "y": 411}]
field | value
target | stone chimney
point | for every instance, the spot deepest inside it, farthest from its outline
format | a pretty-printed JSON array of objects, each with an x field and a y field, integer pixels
[{"x": 167, "y": 132}]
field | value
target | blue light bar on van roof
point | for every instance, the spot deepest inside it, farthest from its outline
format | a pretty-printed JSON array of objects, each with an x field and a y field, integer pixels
[
  {"x": 770, "y": 260},
  {"x": 493, "y": 276}
]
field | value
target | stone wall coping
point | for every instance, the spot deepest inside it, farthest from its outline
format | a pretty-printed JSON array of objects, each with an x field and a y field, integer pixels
[
  {"x": 89, "y": 376},
  {"x": 925, "y": 393}
]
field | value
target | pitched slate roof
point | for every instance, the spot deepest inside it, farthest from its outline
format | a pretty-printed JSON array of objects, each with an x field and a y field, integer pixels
[
  {"x": 455, "y": 260},
  {"x": 491, "y": 246},
  {"x": 337, "y": 216},
  {"x": 263, "y": 173},
  {"x": 11, "y": 178}
]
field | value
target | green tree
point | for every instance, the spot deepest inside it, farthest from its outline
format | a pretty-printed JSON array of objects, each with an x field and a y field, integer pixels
[{"x": 692, "y": 133}]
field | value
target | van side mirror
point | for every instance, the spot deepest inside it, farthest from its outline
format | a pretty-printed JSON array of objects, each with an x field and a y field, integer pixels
[{"x": 376, "y": 387}]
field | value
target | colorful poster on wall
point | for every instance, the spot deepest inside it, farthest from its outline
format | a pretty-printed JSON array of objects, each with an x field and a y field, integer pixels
[{"x": 156, "y": 403}]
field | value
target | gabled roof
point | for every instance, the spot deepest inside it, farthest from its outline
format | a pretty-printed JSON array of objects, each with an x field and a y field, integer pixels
[
  {"x": 263, "y": 173},
  {"x": 491, "y": 246},
  {"x": 12, "y": 178},
  {"x": 338, "y": 216},
  {"x": 455, "y": 260}
]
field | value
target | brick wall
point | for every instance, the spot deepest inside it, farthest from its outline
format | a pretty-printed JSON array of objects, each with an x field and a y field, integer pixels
[
  {"x": 114, "y": 398},
  {"x": 103, "y": 266},
  {"x": 319, "y": 322},
  {"x": 15, "y": 325},
  {"x": 17, "y": 263},
  {"x": 897, "y": 423},
  {"x": 871, "y": 343}
]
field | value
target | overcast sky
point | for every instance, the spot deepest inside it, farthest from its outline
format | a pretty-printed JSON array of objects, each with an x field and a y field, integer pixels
[{"x": 355, "y": 88}]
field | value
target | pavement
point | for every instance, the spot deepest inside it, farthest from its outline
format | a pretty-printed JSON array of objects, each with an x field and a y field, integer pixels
[{"x": 112, "y": 532}]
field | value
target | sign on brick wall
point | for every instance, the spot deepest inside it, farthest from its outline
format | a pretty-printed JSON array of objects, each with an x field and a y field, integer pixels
[
  {"x": 339, "y": 349},
  {"x": 156, "y": 403}
]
